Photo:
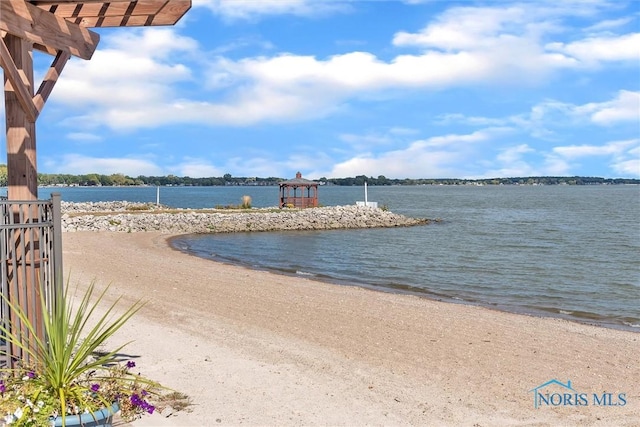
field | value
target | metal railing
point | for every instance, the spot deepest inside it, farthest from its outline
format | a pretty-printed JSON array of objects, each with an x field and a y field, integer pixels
[{"x": 30, "y": 261}]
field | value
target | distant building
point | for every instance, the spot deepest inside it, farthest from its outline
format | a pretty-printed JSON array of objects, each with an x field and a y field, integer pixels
[{"x": 298, "y": 193}]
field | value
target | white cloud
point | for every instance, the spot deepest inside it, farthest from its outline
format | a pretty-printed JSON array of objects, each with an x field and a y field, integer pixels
[
  {"x": 513, "y": 162},
  {"x": 624, "y": 156},
  {"x": 625, "y": 107},
  {"x": 364, "y": 141},
  {"x": 377, "y": 138},
  {"x": 608, "y": 24},
  {"x": 628, "y": 168},
  {"x": 457, "y": 139},
  {"x": 464, "y": 28},
  {"x": 514, "y": 154},
  {"x": 152, "y": 42},
  {"x": 197, "y": 168},
  {"x": 598, "y": 49},
  {"x": 79, "y": 164},
  {"x": 84, "y": 137},
  {"x": 442, "y": 156},
  {"x": 243, "y": 43},
  {"x": 456, "y": 118},
  {"x": 266, "y": 166},
  {"x": 413, "y": 162},
  {"x": 555, "y": 166},
  {"x": 234, "y": 9},
  {"x": 134, "y": 82},
  {"x": 546, "y": 116},
  {"x": 133, "y": 70},
  {"x": 611, "y": 148}
]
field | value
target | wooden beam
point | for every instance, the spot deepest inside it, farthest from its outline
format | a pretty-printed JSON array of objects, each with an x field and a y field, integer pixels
[
  {"x": 31, "y": 106},
  {"x": 117, "y": 13},
  {"x": 38, "y": 26},
  {"x": 17, "y": 83},
  {"x": 21, "y": 132},
  {"x": 50, "y": 80}
]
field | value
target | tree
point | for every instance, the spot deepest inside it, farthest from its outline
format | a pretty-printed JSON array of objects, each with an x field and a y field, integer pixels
[
  {"x": 360, "y": 180},
  {"x": 3, "y": 175},
  {"x": 93, "y": 180},
  {"x": 120, "y": 179}
]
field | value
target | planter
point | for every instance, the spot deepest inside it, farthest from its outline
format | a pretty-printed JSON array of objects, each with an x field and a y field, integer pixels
[{"x": 101, "y": 418}]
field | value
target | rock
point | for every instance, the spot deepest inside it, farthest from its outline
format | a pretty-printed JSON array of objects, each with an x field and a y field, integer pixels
[{"x": 132, "y": 217}]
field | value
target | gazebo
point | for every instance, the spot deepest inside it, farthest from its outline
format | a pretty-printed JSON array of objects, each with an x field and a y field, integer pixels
[
  {"x": 298, "y": 193},
  {"x": 30, "y": 246}
]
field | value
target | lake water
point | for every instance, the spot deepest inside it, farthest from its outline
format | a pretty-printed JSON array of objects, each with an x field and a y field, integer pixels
[{"x": 562, "y": 251}]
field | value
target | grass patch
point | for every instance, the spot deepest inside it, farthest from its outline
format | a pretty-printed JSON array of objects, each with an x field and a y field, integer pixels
[
  {"x": 139, "y": 208},
  {"x": 218, "y": 209},
  {"x": 176, "y": 400}
]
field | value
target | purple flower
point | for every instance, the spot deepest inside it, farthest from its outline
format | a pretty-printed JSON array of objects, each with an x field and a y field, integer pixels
[
  {"x": 31, "y": 374},
  {"x": 141, "y": 403},
  {"x": 135, "y": 400},
  {"x": 3, "y": 387},
  {"x": 131, "y": 364},
  {"x": 95, "y": 387},
  {"x": 144, "y": 392}
]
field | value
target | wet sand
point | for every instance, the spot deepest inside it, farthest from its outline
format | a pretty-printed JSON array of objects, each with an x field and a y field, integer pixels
[{"x": 256, "y": 348}]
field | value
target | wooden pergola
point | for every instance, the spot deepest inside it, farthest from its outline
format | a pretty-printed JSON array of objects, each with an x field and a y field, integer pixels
[
  {"x": 62, "y": 29},
  {"x": 59, "y": 28}
]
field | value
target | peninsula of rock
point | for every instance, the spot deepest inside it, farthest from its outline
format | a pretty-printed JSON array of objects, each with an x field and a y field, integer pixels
[{"x": 137, "y": 217}]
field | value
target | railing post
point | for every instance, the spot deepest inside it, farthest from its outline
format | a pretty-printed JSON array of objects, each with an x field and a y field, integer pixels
[{"x": 57, "y": 247}]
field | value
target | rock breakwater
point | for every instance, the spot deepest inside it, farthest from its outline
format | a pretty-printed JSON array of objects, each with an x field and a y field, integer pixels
[{"x": 135, "y": 217}]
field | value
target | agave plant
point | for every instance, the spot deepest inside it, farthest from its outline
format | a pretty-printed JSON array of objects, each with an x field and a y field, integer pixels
[{"x": 67, "y": 374}]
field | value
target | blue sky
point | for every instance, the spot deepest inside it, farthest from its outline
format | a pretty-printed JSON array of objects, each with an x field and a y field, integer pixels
[{"x": 405, "y": 89}]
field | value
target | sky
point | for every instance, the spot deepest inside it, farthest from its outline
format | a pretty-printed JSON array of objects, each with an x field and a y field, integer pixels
[{"x": 404, "y": 89}]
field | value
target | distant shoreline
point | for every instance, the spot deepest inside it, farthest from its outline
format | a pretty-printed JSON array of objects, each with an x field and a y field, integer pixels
[{"x": 120, "y": 180}]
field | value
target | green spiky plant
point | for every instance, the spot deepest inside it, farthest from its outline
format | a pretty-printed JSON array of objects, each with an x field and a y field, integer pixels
[{"x": 67, "y": 373}]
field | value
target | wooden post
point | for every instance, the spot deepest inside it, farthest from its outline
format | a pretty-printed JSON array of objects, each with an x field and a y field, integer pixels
[
  {"x": 24, "y": 289},
  {"x": 21, "y": 132}
]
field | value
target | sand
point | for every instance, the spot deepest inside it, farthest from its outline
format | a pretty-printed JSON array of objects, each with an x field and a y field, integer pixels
[{"x": 256, "y": 348}]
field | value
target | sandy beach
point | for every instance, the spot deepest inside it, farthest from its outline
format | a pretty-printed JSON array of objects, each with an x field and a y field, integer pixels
[{"x": 255, "y": 348}]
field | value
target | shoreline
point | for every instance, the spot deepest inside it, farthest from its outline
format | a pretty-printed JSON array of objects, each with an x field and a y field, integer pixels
[
  {"x": 257, "y": 348},
  {"x": 541, "y": 313}
]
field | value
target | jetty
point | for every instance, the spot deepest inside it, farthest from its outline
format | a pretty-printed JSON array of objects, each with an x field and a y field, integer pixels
[{"x": 136, "y": 217}]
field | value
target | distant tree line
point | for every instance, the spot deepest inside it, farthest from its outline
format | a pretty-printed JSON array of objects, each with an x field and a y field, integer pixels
[
  {"x": 534, "y": 180},
  {"x": 95, "y": 180}
]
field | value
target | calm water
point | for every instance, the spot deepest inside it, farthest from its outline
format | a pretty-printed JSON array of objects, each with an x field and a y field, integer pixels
[{"x": 564, "y": 251}]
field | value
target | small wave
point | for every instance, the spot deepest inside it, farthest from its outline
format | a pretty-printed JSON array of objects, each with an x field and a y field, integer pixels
[
  {"x": 304, "y": 273},
  {"x": 565, "y": 312},
  {"x": 631, "y": 325}
]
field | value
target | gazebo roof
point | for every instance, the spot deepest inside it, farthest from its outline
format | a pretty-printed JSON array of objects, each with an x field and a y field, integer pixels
[
  {"x": 116, "y": 13},
  {"x": 299, "y": 181}
]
